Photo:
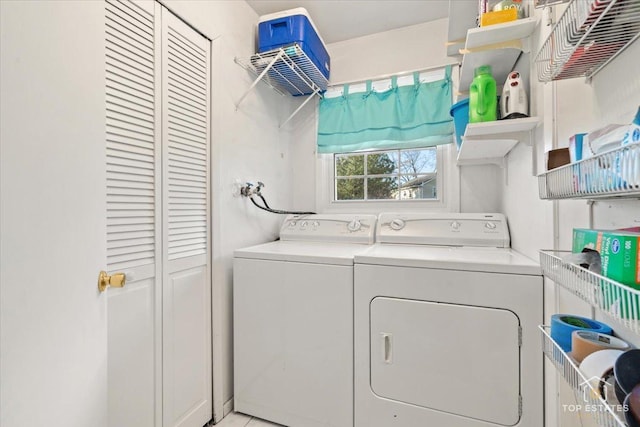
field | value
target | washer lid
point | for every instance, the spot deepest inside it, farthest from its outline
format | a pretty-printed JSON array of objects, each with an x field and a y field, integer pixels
[
  {"x": 309, "y": 252},
  {"x": 491, "y": 260}
]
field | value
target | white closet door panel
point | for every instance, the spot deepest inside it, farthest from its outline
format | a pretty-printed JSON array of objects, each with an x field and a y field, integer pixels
[
  {"x": 117, "y": 190},
  {"x": 140, "y": 14},
  {"x": 121, "y": 29},
  {"x": 123, "y": 224},
  {"x": 133, "y": 102},
  {"x": 176, "y": 106},
  {"x": 188, "y": 125},
  {"x": 185, "y": 106},
  {"x": 133, "y": 118},
  {"x": 129, "y": 36},
  {"x": 130, "y": 362},
  {"x": 133, "y": 227},
  {"x": 135, "y": 166},
  {"x": 127, "y": 74},
  {"x": 124, "y": 173},
  {"x": 126, "y": 247},
  {"x": 187, "y": 382},
  {"x": 123, "y": 88},
  {"x": 187, "y": 391},
  {"x": 180, "y": 165},
  {"x": 133, "y": 152}
]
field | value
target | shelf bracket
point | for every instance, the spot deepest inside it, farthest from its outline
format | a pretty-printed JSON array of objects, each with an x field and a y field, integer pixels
[
  {"x": 309, "y": 98},
  {"x": 534, "y": 154},
  {"x": 260, "y": 77},
  {"x": 505, "y": 170}
]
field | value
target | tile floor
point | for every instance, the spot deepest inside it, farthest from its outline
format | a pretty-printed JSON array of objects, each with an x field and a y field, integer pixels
[{"x": 235, "y": 419}]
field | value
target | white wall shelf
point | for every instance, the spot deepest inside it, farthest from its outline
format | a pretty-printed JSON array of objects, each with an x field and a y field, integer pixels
[
  {"x": 586, "y": 396},
  {"x": 286, "y": 70},
  {"x": 501, "y": 61},
  {"x": 499, "y": 33},
  {"x": 498, "y": 45},
  {"x": 620, "y": 302},
  {"x": 490, "y": 142},
  {"x": 483, "y": 151},
  {"x": 613, "y": 174}
]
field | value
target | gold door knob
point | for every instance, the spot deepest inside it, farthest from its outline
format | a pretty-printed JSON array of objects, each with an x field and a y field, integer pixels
[{"x": 116, "y": 280}]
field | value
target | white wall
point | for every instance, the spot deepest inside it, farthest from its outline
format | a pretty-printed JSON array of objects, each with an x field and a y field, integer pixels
[
  {"x": 247, "y": 145},
  {"x": 53, "y": 325},
  {"x": 405, "y": 49}
]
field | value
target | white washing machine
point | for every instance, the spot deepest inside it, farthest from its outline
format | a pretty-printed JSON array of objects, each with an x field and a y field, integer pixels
[
  {"x": 445, "y": 325},
  {"x": 293, "y": 321}
]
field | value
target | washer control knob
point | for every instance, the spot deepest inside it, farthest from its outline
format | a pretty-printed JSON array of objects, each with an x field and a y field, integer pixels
[
  {"x": 397, "y": 224},
  {"x": 490, "y": 225},
  {"x": 303, "y": 225},
  {"x": 354, "y": 225},
  {"x": 292, "y": 224},
  {"x": 455, "y": 225},
  {"x": 315, "y": 224}
]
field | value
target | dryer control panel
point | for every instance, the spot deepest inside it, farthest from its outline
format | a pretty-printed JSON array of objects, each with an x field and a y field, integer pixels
[
  {"x": 341, "y": 228},
  {"x": 489, "y": 230}
]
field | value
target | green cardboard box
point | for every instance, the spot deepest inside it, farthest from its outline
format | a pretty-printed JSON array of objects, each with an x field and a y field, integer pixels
[{"x": 619, "y": 252}]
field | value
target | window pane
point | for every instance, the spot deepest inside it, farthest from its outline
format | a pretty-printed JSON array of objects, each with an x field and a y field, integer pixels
[
  {"x": 350, "y": 189},
  {"x": 390, "y": 175},
  {"x": 382, "y": 163},
  {"x": 350, "y": 165},
  {"x": 382, "y": 188},
  {"x": 421, "y": 187},
  {"x": 414, "y": 162}
]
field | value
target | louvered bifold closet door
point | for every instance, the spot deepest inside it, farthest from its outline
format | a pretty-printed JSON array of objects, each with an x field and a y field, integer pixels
[
  {"x": 133, "y": 165},
  {"x": 186, "y": 248}
]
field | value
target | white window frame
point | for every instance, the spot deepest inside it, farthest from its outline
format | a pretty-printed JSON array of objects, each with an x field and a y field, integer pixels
[{"x": 448, "y": 189}]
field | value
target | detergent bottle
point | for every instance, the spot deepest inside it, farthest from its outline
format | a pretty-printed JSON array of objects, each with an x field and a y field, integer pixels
[{"x": 483, "y": 99}]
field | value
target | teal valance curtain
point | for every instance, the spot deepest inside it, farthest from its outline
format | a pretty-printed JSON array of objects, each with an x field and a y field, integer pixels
[{"x": 410, "y": 116}]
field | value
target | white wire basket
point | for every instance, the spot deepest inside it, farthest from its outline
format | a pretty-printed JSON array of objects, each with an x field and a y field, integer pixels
[
  {"x": 619, "y": 301},
  {"x": 615, "y": 173},
  {"x": 588, "y": 35},
  {"x": 587, "y": 397},
  {"x": 287, "y": 70}
]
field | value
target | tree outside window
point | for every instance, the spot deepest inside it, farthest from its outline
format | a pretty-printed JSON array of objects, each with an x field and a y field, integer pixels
[{"x": 386, "y": 175}]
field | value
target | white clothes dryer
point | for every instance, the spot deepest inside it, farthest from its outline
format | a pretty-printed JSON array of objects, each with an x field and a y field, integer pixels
[
  {"x": 445, "y": 325},
  {"x": 293, "y": 321}
]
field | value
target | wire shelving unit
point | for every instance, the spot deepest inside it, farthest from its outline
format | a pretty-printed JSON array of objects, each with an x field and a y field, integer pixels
[
  {"x": 615, "y": 173},
  {"x": 586, "y": 395},
  {"x": 588, "y": 35},
  {"x": 619, "y": 301},
  {"x": 287, "y": 70}
]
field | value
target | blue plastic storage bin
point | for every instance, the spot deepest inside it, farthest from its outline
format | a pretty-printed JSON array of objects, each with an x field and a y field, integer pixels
[
  {"x": 460, "y": 113},
  {"x": 293, "y": 26}
]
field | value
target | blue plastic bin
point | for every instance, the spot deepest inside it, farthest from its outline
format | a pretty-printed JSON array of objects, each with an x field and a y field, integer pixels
[
  {"x": 295, "y": 28},
  {"x": 460, "y": 113}
]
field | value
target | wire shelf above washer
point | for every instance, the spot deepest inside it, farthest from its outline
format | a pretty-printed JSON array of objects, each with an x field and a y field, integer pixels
[
  {"x": 615, "y": 173},
  {"x": 602, "y": 413},
  {"x": 620, "y": 302},
  {"x": 588, "y": 35},
  {"x": 287, "y": 70}
]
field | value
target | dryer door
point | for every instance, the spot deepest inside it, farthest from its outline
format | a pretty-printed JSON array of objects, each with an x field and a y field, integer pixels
[{"x": 458, "y": 359}]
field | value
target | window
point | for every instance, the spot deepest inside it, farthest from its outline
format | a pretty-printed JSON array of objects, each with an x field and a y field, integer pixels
[{"x": 386, "y": 175}]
